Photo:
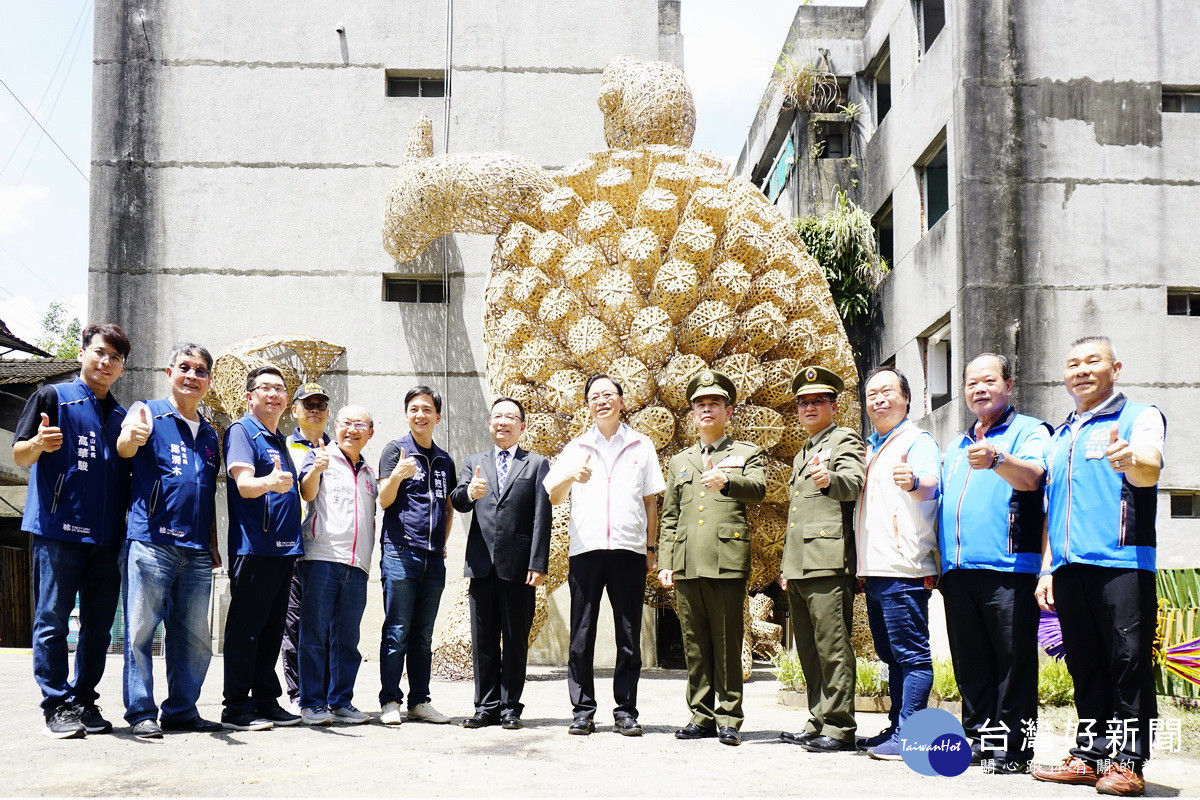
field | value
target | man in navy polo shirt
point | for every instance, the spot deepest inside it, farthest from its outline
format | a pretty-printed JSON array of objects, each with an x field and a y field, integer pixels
[
  {"x": 415, "y": 478},
  {"x": 264, "y": 542},
  {"x": 172, "y": 547},
  {"x": 75, "y": 509}
]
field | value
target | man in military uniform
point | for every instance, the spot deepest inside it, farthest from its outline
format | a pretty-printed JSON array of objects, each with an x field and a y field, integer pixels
[
  {"x": 705, "y": 541},
  {"x": 818, "y": 561}
]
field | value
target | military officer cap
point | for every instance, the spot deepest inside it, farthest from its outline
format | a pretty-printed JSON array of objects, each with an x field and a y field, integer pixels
[
  {"x": 710, "y": 382},
  {"x": 817, "y": 380}
]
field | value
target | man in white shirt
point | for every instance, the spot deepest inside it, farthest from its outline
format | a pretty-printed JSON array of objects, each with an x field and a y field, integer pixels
[{"x": 611, "y": 475}]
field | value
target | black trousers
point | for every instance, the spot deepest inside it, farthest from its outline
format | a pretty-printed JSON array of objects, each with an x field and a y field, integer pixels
[
  {"x": 992, "y": 621},
  {"x": 1108, "y": 619},
  {"x": 258, "y": 589},
  {"x": 501, "y": 616},
  {"x": 623, "y": 573},
  {"x": 291, "y": 637}
]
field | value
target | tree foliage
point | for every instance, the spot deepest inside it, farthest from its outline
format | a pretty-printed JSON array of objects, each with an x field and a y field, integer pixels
[
  {"x": 843, "y": 243},
  {"x": 60, "y": 335}
]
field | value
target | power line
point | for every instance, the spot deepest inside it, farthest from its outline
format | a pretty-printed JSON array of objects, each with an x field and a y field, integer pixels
[
  {"x": 53, "y": 141},
  {"x": 58, "y": 292}
]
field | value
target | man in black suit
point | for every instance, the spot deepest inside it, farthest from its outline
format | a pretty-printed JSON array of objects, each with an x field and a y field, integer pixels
[{"x": 508, "y": 555}]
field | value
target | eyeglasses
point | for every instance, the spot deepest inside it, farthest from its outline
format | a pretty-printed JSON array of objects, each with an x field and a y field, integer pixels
[
  {"x": 815, "y": 402},
  {"x": 505, "y": 418},
  {"x": 188, "y": 369},
  {"x": 601, "y": 396},
  {"x": 354, "y": 426},
  {"x": 315, "y": 405},
  {"x": 116, "y": 359},
  {"x": 270, "y": 388}
]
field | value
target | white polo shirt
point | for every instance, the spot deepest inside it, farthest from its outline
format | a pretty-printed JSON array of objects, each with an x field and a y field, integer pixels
[{"x": 609, "y": 512}]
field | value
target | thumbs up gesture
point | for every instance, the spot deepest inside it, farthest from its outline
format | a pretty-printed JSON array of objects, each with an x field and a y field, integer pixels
[
  {"x": 1120, "y": 456},
  {"x": 903, "y": 475},
  {"x": 583, "y": 473},
  {"x": 48, "y": 437},
  {"x": 139, "y": 431},
  {"x": 406, "y": 467},
  {"x": 279, "y": 479},
  {"x": 320, "y": 460},
  {"x": 477, "y": 488},
  {"x": 819, "y": 472},
  {"x": 713, "y": 479},
  {"x": 980, "y": 454}
]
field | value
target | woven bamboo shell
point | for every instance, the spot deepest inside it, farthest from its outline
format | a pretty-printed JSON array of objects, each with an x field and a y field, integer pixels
[
  {"x": 744, "y": 370},
  {"x": 709, "y": 205},
  {"x": 560, "y": 308},
  {"x": 791, "y": 441},
  {"x": 763, "y": 426},
  {"x": 694, "y": 243},
  {"x": 227, "y": 392},
  {"x": 728, "y": 282},
  {"x": 768, "y": 522},
  {"x": 774, "y": 286},
  {"x": 766, "y": 637},
  {"x": 636, "y": 381},
  {"x": 531, "y": 397},
  {"x": 540, "y": 358},
  {"x": 548, "y": 250},
  {"x": 544, "y": 433},
  {"x": 580, "y": 177},
  {"x": 615, "y": 185},
  {"x": 514, "y": 243},
  {"x": 747, "y": 242},
  {"x": 657, "y": 209},
  {"x": 706, "y": 330},
  {"x": 640, "y": 256},
  {"x": 678, "y": 179},
  {"x": 760, "y": 328},
  {"x": 617, "y": 300},
  {"x": 592, "y": 344},
  {"x": 560, "y": 208},
  {"x": 798, "y": 341},
  {"x": 651, "y": 337},
  {"x": 600, "y": 225},
  {"x": 776, "y": 389},
  {"x": 514, "y": 328},
  {"x": 676, "y": 289},
  {"x": 580, "y": 421},
  {"x": 528, "y": 287},
  {"x": 778, "y": 474},
  {"x": 673, "y": 381},
  {"x": 564, "y": 390},
  {"x": 656, "y": 422}
]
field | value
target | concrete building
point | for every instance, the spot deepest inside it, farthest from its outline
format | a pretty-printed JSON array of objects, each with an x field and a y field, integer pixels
[
  {"x": 1033, "y": 173},
  {"x": 242, "y": 152}
]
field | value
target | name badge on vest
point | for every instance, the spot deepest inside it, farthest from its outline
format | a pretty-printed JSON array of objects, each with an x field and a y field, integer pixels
[
  {"x": 734, "y": 462},
  {"x": 1097, "y": 442}
]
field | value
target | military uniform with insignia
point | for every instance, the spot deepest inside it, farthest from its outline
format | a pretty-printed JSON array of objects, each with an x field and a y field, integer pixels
[
  {"x": 818, "y": 564},
  {"x": 705, "y": 552}
]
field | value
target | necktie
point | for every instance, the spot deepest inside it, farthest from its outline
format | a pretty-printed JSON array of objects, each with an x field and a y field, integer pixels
[{"x": 502, "y": 469}]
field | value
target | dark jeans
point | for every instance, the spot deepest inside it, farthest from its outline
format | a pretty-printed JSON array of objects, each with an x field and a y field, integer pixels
[
  {"x": 413, "y": 580},
  {"x": 501, "y": 617},
  {"x": 258, "y": 588},
  {"x": 289, "y": 649},
  {"x": 992, "y": 621},
  {"x": 62, "y": 570},
  {"x": 335, "y": 596},
  {"x": 623, "y": 572},
  {"x": 1108, "y": 619},
  {"x": 898, "y": 612}
]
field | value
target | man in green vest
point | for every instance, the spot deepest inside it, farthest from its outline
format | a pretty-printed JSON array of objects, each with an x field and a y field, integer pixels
[
  {"x": 818, "y": 561},
  {"x": 705, "y": 543}
]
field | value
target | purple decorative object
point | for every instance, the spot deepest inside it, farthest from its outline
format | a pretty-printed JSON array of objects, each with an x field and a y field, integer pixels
[{"x": 1050, "y": 635}]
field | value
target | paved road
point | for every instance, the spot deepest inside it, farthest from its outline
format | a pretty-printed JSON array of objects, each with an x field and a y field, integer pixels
[{"x": 423, "y": 760}]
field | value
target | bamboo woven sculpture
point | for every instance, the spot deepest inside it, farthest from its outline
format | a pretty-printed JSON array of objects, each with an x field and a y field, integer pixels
[{"x": 647, "y": 260}]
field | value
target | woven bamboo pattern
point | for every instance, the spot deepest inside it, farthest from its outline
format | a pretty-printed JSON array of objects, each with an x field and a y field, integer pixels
[
  {"x": 778, "y": 474},
  {"x": 645, "y": 260},
  {"x": 769, "y": 524},
  {"x": 656, "y": 422},
  {"x": 299, "y": 358},
  {"x": 766, "y": 637}
]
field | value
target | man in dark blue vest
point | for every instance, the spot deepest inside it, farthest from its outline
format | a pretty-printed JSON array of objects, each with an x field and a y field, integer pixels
[
  {"x": 172, "y": 547},
  {"x": 264, "y": 542},
  {"x": 75, "y": 509}
]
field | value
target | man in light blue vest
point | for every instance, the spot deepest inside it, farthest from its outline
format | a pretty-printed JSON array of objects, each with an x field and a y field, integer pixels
[
  {"x": 172, "y": 547},
  {"x": 1098, "y": 568},
  {"x": 75, "y": 509}
]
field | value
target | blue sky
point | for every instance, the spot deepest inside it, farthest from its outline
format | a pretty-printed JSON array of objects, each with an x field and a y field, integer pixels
[{"x": 46, "y": 61}]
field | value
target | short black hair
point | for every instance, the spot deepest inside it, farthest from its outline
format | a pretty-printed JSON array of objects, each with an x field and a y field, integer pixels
[
  {"x": 417, "y": 391},
  {"x": 1005, "y": 365},
  {"x": 587, "y": 387},
  {"x": 514, "y": 401},
  {"x": 265, "y": 369},
  {"x": 108, "y": 332},
  {"x": 900, "y": 376}
]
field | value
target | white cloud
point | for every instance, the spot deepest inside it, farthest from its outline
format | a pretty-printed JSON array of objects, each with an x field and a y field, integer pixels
[{"x": 20, "y": 207}]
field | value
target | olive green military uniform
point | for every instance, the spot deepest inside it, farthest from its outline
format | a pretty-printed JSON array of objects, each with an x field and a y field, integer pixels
[
  {"x": 818, "y": 562},
  {"x": 704, "y": 540}
]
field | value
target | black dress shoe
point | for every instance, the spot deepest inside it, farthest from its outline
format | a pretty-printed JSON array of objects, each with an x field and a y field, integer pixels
[
  {"x": 627, "y": 726},
  {"x": 826, "y": 744},
  {"x": 512, "y": 723},
  {"x": 796, "y": 738},
  {"x": 694, "y": 731},
  {"x": 582, "y": 726},
  {"x": 480, "y": 720},
  {"x": 193, "y": 725},
  {"x": 729, "y": 736}
]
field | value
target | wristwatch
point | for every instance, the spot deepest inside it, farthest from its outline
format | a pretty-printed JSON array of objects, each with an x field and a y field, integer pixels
[
  {"x": 998, "y": 459},
  {"x": 651, "y": 548}
]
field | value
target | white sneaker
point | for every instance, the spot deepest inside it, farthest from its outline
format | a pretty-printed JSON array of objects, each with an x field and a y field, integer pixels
[
  {"x": 293, "y": 706},
  {"x": 315, "y": 716},
  {"x": 424, "y": 712},
  {"x": 351, "y": 715},
  {"x": 391, "y": 714}
]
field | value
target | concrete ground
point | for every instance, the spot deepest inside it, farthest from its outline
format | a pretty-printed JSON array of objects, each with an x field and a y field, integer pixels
[{"x": 417, "y": 759}]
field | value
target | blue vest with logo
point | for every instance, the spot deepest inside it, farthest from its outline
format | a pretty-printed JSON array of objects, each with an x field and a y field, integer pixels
[
  {"x": 79, "y": 493},
  {"x": 1094, "y": 515},
  {"x": 985, "y": 523},
  {"x": 268, "y": 525},
  {"x": 417, "y": 517},
  {"x": 174, "y": 481}
]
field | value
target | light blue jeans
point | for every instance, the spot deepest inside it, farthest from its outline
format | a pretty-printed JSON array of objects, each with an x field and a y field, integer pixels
[{"x": 172, "y": 585}]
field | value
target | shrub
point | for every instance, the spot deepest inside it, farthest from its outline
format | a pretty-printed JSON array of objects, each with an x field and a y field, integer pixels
[
  {"x": 1054, "y": 684},
  {"x": 787, "y": 670},
  {"x": 872, "y": 678},
  {"x": 945, "y": 685}
]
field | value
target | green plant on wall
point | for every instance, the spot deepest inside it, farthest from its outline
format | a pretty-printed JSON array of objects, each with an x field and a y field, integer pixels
[
  {"x": 843, "y": 243},
  {"x": 805, "y": 81}
]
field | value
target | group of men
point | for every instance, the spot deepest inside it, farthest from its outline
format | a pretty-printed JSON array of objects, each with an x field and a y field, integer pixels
[{"x": 1014, "y": 515}]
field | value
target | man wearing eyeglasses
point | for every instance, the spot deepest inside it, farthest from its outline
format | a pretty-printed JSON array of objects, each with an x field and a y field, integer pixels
[
  {"x": 264, "y": 542},
  {"x": 172, "y": 546},
  {"x": 818, "y": 560},
  {"x": 75, "y": 511},
  {"x": 612, "y": 476},
  {"x": 310, "y": 408},
  {"x": 508, "y": 555}
]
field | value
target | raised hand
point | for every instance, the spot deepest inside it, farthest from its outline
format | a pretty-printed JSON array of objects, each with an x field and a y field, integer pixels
[
  {"x": 902, "y": 474},
  {"x": 583, "y": 473},
  {"x": 406, "y": 467},
  {"x": 819, "y": 473},
  {"x": 1119, "y": 454},
  {"x": 713, "y": 478},
  {"x": 279, "y": 479},
  {"x": 477, "y": 488},
  {"x": 139, "y": 431},
  {"x": 981, "y": 454},
  {"x": 48, "y": 438},
  {"x": 320, "y": 460}
]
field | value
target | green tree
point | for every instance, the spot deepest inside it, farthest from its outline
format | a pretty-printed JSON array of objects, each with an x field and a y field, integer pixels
[{"x": 60, "y": 336}]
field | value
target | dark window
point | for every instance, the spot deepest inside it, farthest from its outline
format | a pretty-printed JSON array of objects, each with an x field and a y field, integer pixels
[
  {"x": 1183, "y": 302},
  {"x": 416, "y": 86},
  {"x": 832, "y": 140},
  {"x": 884, "y": 233},
  {"x": 1181, "y": 102},
  {"x": 880, "y": 74},
  {"x": 935, "y": 188},
  {"x": 938, "y": 377},
  {"x": 414, "y": 290},
  {"x": 1185, "y": 505},
  {"x": 931, "y": 18}
]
